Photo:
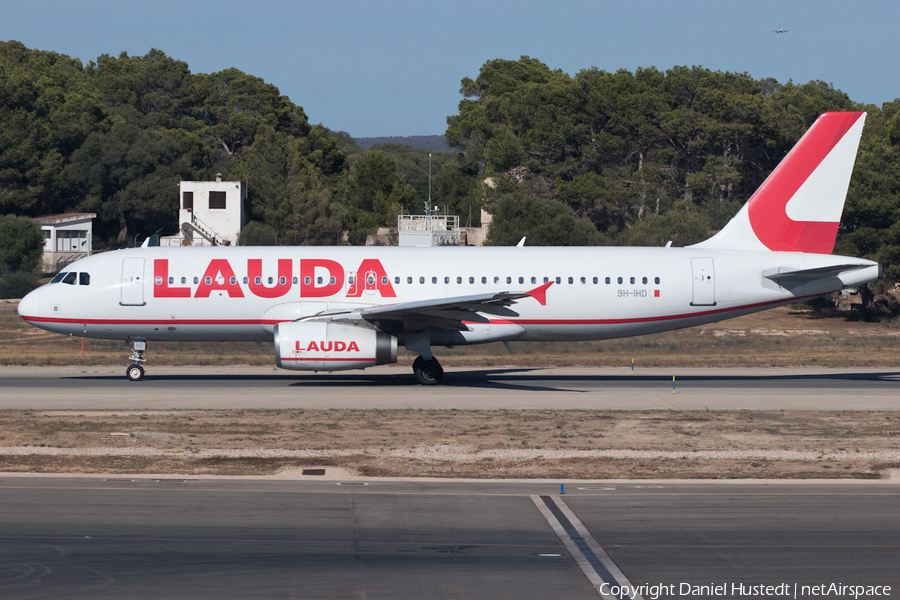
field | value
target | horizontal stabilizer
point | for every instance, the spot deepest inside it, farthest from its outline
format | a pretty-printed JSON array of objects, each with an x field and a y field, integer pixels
[{"x": 791, "y": 274}]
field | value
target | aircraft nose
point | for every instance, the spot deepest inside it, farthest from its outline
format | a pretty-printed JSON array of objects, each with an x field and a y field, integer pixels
[{"x": 28, "y": 306}]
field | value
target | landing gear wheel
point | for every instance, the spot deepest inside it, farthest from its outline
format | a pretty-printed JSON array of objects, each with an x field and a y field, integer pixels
[
  {"x": 134, "y": 372},
  {"x": 428, "y": 372}
]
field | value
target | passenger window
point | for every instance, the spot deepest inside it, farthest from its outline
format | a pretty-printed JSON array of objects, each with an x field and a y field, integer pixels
[
  {"x": 319, "y": 280},
  {"x": 245, "y": 280},
  {"x": 484, "y": 280},
  {"x": 595, "y": 281},
  {"x": 509, "y": 280},
  {"x": 607, "y": 281},
  {"x": 459, "y": 280},
  {"x": 644, "y": 280},
  {"x": 471, "y": 280},
  {"x": 421, "y": 280},
  {"x": 558, "y": 280},
  {"x": 384, "y": 280},
  {"x": 208, "y": 280},
  {"x": 84, "y": 279},
  {"x": 281, "y": 280},
  {"x": 631, "y": 280},
  {"x": 58, "y": 278},
  {"x": 434, "y": 280},
  {"x": 656, "y": 280},
  {"x": 521, "y": 280},
  {"x": 534, "y": 280},
  {"x": 233, "y": 280},
  {"x": 269, "y": 280},
  {"x": 306, "y": 280},
  {"x": 546, "y": 279},
  {"x": 294, "y": 280},
  {"x": 184, "y": 280},
  {"x": 331, "y": 280},
  {"x": 571, "y": 280},
  {"x": 196, "y": 280},
  {"x": 350, "y": 279},
  {"x": 258, "y": 280},
  {"x": 409, "y": 280},
  {"x": 496, "y": 280},
  {"x": 171, "y": 280},
  {"x": 446, "y": 280},
  {"x": 370, "y": 280},
  {"x": 583, "y": 280},
  {"x": 619, "y": 280}
]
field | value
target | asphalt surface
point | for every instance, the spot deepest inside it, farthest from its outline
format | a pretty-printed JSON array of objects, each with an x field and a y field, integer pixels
[
  {"x": 88, "y": 388},
  {"x": 121, "y": 537}
]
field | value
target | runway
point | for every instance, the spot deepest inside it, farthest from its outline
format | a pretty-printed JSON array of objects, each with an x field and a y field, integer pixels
[
  {"x": 123, "y": 537},
  {"x": 92, "y": 388}
]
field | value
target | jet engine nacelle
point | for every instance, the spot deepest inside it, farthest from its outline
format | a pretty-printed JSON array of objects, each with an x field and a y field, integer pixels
[{"x": 328, "y": 346}]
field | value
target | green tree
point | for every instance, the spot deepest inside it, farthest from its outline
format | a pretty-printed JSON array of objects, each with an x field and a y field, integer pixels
[
  {"x": 130, "y": 176},
  {"x": 375, "y": 195},
  {"x": 255, "y": 233},
  {"x": 21, "y": 244},
  {"x": 543, "y": 222}
]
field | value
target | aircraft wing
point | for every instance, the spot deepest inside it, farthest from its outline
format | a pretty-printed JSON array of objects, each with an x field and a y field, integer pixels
[{"x": 444, "y": 313}]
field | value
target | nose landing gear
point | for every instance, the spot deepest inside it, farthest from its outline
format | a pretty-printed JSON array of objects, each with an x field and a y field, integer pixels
[{"x": 135, "y": 372}]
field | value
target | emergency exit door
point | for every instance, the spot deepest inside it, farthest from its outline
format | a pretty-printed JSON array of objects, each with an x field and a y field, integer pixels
[
  {"x": 704, "y": 282},
  {"x": 132, "y": 282}
]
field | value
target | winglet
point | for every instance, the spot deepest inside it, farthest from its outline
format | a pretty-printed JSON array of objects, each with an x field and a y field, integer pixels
[{"x": 540, "y": 293}]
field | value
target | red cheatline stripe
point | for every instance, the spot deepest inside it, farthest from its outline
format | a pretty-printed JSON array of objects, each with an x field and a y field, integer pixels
[
  {"x": 153, "y": 321},
  {"x": 497, "y": 321},
  {"x": 330, "y": 359}
]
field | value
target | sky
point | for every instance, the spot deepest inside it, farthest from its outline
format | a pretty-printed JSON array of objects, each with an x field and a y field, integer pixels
[{"x": 393, "y": 67}]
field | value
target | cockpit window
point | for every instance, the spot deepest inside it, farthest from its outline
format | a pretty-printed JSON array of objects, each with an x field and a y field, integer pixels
[
  {"x": 84, "y": 279},
  {"x": 69, "y": 278},
  {"x": 59, "y": 277}
]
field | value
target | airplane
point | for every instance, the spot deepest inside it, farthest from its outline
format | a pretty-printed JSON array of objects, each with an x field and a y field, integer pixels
[
  {"x": 336, "y": 308},
  {"x": 779, "y": 30}
]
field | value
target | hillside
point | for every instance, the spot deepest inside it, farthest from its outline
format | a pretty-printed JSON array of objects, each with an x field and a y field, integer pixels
[{"x": 432, "y": 143}]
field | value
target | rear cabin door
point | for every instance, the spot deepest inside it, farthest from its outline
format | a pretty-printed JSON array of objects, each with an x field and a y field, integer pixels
[
  {"x": 132, "y": 282},
  {"x": 704, "y": 282}
]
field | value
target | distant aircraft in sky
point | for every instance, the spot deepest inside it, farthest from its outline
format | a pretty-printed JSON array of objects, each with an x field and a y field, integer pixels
[
  {"x": 328, "y": 309},
  {"x": 779, "y": 30}
]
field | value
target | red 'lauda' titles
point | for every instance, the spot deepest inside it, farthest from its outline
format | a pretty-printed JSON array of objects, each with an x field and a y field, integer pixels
[
  {"x": 336, "y": 346},
  {"x": 161, "y": 287},
  {"x": 282, "y": 285},
  {"x": 372, "y": 277},
  {"x": 308, "y": 287},
  {"x": 219, "y": 276},
  {"x": 210, "y": 281}
]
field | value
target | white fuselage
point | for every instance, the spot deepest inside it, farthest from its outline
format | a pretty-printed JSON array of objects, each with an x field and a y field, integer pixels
[{"x": 231, "y": 293}]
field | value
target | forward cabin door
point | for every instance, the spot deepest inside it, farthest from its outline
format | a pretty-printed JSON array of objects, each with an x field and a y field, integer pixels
[
  {"x": 704, "y": 282},
  {"x": 132, "y": 282}
]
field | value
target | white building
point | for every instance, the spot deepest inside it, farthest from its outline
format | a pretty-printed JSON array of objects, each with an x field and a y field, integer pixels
[
  {"x": 211, "y": 213},
  {"x": 67, "y": 238}
]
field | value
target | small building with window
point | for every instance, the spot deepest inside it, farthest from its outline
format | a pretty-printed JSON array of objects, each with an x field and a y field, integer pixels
[
  {"x": 210, "y": 213},
  {"x": 67, "y": 238}
]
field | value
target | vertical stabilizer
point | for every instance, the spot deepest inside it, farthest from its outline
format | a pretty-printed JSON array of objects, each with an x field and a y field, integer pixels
[{"x": 798, "y": 207}]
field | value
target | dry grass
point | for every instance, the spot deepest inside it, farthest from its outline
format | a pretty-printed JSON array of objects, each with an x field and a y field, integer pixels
[{"x": 365, "y": 432}]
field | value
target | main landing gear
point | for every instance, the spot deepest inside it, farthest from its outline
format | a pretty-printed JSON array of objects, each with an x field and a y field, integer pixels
[
  {"x": 428, "y": 372},
  {"x": 135, "y": 372}
]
